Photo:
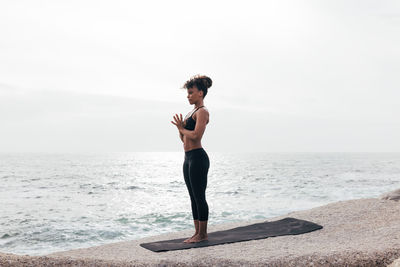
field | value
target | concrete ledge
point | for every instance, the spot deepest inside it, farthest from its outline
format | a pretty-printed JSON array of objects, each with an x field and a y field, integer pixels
[{"x": 361, "y": 232}]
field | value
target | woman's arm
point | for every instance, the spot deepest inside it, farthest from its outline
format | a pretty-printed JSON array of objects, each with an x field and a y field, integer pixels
[
  {"x": 181, "y": 136},
  {"x": 201, "y": 121},
  {"x": 179, "y": 124}
]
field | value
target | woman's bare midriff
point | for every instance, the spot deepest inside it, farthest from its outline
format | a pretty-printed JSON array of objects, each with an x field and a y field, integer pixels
[{"x": 189, "y": 144}]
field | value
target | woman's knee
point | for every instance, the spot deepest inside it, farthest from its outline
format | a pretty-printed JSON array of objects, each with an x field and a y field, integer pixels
[{"x": 200, "y": 200}]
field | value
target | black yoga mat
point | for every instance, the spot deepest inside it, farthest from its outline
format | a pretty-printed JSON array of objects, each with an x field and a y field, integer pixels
[{"x": 286, "y": 226}]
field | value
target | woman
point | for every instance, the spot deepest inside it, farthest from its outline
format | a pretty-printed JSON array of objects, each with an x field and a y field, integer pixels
[{"x": 196, "y": 164}]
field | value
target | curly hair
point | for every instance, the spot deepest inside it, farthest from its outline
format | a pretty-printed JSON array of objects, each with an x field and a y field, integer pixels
[{"x": 202, "y": 83}]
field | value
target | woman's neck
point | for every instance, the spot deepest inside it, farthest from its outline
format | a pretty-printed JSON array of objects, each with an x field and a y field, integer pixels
[{"x": 198, "y": 105}]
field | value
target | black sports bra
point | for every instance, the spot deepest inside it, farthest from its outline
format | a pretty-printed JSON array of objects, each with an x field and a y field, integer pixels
[{"x": 190, "y": 123}]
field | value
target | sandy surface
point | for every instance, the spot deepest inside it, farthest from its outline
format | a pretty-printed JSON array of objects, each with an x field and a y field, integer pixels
[{"x": 362, "y": 232}]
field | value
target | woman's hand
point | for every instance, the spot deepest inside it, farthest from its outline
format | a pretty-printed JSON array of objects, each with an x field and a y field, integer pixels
[{"x": 178, "y": 122}]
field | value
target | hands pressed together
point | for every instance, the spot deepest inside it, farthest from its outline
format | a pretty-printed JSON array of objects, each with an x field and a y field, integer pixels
[{"x": 178, "y": 122}]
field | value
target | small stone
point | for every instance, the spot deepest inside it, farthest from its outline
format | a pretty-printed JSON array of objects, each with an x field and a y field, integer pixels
[
  {"x": 393, "y": 195},
  {"x": 396, "y": 263}
]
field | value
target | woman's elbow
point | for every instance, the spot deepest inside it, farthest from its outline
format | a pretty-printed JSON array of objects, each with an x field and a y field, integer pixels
[
  {"x": 197, "y": 136},
  {"x": 194, "y": 137}
]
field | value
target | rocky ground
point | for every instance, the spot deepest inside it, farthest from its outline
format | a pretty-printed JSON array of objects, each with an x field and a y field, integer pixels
[{"x": 361, "y": 232}]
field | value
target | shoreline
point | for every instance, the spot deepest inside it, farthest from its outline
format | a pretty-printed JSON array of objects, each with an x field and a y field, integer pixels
[{"x": 358, "y": 232}]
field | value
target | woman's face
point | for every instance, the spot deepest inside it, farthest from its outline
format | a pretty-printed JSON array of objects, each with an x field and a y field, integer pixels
[{"x": 194, "y": 95}]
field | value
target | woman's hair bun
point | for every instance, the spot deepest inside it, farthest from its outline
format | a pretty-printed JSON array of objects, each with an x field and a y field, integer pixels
[
  {"x": 202, "y": 82},
  {"x": 206, "y": 81}
]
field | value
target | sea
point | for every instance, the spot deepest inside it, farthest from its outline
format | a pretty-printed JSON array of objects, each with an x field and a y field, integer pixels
[{"x": 54, "y": 202}]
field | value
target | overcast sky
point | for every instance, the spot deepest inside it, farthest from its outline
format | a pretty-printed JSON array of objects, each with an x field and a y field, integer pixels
[{"x": 288, "y": 76}]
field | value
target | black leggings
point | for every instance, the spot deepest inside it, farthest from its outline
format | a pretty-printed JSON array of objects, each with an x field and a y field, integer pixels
[{"x": 195, "y": 169}]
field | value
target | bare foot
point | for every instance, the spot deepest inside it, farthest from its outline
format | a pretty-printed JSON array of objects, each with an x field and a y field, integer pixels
[
  {"x": 198, "y": 238},
  {"x": 189, "y": 239}
]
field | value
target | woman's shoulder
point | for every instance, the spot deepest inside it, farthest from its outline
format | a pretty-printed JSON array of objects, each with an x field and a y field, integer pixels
[{"x": 204, "y": 110}]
